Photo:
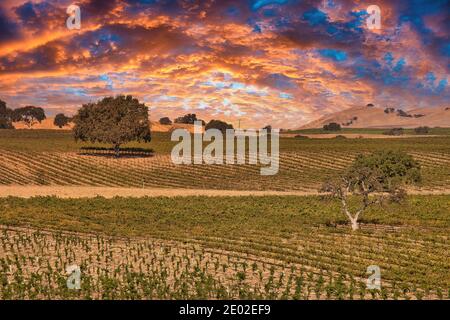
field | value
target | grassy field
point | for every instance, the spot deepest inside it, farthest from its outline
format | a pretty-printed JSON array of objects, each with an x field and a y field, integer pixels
[{"x": 232, "y": 247}]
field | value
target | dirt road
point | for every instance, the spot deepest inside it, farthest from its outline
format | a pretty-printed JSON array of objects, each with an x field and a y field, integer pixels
[{"x": 110, "y": 192}]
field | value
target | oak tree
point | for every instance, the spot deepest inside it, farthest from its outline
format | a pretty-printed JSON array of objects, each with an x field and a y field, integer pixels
[
  {"x": 372, "y": 179},
  {"x": 61, "y": 120},
  {"x": 29, "y": 114},
  {"x": 113, "y": 120}
]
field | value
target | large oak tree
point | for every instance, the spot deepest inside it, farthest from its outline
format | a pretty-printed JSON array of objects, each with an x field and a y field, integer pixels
[{"x": 113, "y": 120}]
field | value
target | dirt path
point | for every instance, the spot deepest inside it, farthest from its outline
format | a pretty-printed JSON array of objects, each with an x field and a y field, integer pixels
[{"x": 110, "y": 192}]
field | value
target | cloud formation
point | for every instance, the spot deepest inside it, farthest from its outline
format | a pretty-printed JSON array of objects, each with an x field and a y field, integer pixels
[{"x": 279, "y": 62}]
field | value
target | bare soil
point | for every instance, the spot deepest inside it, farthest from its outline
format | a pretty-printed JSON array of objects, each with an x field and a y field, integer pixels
[{"x": 110, "y": 192}]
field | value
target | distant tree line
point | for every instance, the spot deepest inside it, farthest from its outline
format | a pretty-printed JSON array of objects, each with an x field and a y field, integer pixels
[
  {"x": 30, "y": 115},
  {"x": 400, "y": 131},
  {"x": 190, "y": 118},
  {"x": 402, "y": 113}
]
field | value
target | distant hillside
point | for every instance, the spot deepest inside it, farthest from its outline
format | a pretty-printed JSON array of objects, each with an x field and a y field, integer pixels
[{"x": 378, "y": 117}]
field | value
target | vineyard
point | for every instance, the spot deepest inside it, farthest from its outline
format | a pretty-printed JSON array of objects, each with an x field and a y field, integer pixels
[
  {"x": 28, "y": 159},
  {"x": 270, "y": 247},
  {"x": 192, "y": 248}
]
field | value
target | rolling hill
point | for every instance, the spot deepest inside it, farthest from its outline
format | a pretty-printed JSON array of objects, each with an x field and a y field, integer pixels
[{"x": 378, "y": 117}]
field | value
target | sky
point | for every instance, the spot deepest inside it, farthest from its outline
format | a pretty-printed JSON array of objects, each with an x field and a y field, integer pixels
[{"x": 278, "y": 62}]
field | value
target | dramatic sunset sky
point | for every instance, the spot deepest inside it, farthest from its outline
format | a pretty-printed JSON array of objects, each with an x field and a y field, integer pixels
[{"x": 279, "y": 62}]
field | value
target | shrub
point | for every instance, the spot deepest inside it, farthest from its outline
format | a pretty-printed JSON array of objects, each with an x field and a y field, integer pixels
[
  {"x": 189, "y": 118},
  {"x": 61, "y": 120},
  {"x": 422, "y": 130},
  {"x": 218, "y": 124},
  {"x": 165, "y": 121},
  {"x": 394, "y": 132},
  {"x": 402, "y": 113},
  {"x": 333, "y": 126}
]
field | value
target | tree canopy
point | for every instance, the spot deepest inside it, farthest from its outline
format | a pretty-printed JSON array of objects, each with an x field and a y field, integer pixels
[
  {"x": 61, "y": 120},
  {"x": 333, "y": 126},
  {"x": 165, "y": 121},
  {"x": 189, "y": 118},
  {"x": 5, "y": 116},
  {"x": 29, "y": 114},
  {"x": 218, "y": 124},
  {"x": 113, "y": 120}
]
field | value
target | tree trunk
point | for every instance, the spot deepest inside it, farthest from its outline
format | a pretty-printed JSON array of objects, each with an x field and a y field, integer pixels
[
  {"x": 353, "y": 220},
  {"x": 355, "y": 225},
  {"x": 117, "y": 150}
]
